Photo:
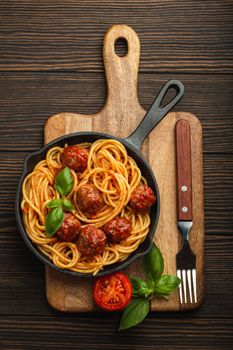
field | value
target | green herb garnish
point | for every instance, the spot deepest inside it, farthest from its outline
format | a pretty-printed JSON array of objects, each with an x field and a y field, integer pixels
[
  {"x": 64, "y": 203},
  {"x": 64, "y": 182},
  {"x": 56, "y": 216},
  {"x": 53, "y": 221},
  {"x": 54, "y": 203},
  {"x": 153, "y": 264},
  {"x": 67, "y": 205},
  {"x": 134, "y": 313},
  {"x": 156, "y": 284}
]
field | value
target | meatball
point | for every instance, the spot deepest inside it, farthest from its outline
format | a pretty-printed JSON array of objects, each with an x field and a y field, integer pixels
[
  {"x": 90, "y": 199},
  {"x": 117, "y": 229},
  {"x": 75, "y": 158},
  {"x": 142, "y": 199},
  {"x": 91, "y": 240},
  {"x": 69, "y": 229}
]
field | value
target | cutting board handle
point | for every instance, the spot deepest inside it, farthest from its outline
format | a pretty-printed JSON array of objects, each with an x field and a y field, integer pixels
[{"x": 121, "y": 72}]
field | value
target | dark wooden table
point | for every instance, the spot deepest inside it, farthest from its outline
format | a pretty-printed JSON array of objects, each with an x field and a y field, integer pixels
[{"x": 51, "y": 61}]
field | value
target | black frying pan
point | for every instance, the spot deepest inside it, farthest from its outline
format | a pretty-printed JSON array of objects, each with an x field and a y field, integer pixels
[{"x": 132, "y": 144}]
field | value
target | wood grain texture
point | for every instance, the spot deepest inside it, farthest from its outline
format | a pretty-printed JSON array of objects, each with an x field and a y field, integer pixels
[
  {"x": 184, "y": 170},
  {"x": 162, "y": 141},
  {"x": 22, "y": 288},
  {"x": 122, "y": 108},
  {"x": 218, "y": 184},
  {"x": 34, "y": 96},
  {"x": 51, "y": 61},
  {"x": 35, "y": 334},
  {"x": 178, "y": 36}
]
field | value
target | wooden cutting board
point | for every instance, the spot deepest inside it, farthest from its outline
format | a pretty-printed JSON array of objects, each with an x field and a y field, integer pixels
[{"x": 120, "y": 116}]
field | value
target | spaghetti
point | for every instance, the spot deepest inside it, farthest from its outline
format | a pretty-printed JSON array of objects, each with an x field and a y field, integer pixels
[{"x": 115, "y": 174}]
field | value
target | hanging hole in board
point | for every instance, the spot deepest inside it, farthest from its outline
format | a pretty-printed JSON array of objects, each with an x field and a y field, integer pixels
[
  {"x": 170, "y": 94},
  {"x": 121, "y": 47}
]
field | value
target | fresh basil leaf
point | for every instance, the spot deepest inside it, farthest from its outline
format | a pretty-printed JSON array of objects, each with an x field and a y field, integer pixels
[
  {"x": 152, "y": 263},
  {"x": 54, "y": 203},
  {"x": 134, "y": 313},
  {"x": 141, "y": 288},
  {"x": 64, "y": 182},
  {"x": 67, "y": 205},
  {"x": 166, "y": 284},
  {"x": 53, "y": 221}
]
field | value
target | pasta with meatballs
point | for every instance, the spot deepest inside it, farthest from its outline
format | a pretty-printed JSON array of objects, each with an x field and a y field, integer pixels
[{"x": 86, "y": 206}]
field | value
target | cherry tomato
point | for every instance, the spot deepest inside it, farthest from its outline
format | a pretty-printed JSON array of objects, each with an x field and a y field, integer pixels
[{"x": 113, "y": 292}]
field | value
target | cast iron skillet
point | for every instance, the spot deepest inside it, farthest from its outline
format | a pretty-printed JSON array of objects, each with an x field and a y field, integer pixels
[{"x": 132, "y": 144}]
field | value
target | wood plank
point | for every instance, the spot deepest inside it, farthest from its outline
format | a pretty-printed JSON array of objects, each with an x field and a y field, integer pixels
[
  {"x": 162, "y": 141},
  {"x": 60, "y": 36},
  {"x": 27, "y": 99},
  {"x": 218, "y": 255},
  {"x": 218, "y": 186},
  {"x": 22, "y": 279},
  {"x": 176, "y": 36},
  {"x": 218, "y": 175},
  {"x": 31, "y": 333},
  {"x": 122, "y": 107}
]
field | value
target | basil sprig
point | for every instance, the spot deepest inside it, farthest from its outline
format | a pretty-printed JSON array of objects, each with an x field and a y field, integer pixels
[
  {"x": 53, "y": 221},
  {"x": 64, "y": 203},
  {"x": 67, "y": 205},
  {"x": 134, "y": 313},
  {"x": 141, "y": 288},
  {"x": 56, "y": 216},
  {"x": 156, "y": 284},
  {"x": 165, "y": 285},
  {"x": 153, "y": 264},
  {"x": 54, "y": 203},
  {"x": 64, "y": 182}
]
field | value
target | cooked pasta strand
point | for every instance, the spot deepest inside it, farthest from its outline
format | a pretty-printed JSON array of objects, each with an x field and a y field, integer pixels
[{"x": 115, "y": 174}]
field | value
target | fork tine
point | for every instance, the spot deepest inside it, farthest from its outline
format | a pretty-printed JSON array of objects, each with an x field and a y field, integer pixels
[
  {"x": 184, "y": 285},
  {"x": 194, "y": 278},
  {"x": 190, "y": 285},
  {"x": 180, "y": 286}
]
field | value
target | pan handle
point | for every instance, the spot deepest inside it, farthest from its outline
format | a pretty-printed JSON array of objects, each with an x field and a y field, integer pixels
[{"x": 156, "y": 113}]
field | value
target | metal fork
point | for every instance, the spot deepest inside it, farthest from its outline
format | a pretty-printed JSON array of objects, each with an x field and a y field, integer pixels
[
  {"x": 186, "y": 266},
  {"x": 185, "y": 259}
]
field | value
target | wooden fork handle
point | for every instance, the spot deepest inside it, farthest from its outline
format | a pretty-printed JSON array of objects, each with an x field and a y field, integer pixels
[{"x": 184, "y": 170}]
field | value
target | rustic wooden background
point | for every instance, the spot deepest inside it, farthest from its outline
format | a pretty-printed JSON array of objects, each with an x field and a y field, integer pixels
[{"x": 51, "y": 61}]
